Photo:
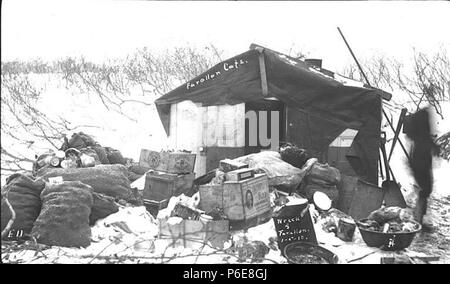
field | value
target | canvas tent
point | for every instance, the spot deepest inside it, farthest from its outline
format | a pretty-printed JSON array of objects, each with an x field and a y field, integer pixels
[{"x": 316, "y": 105}]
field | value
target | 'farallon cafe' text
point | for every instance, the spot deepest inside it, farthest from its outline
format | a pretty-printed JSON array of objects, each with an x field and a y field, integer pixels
[{"x": 226, "y": 66}]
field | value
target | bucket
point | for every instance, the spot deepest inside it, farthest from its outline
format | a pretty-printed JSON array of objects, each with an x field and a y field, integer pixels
[{"x": 346, "y": 229}]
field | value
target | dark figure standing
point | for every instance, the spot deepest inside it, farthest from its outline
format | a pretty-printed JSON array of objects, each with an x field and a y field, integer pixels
[{"x": 418, "y": 130}]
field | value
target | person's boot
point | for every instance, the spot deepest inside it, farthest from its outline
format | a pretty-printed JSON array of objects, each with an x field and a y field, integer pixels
[
  {"x": 420, "y": 210},
  {"x": 427, "y": 223},
  {"x": 421, "y": 214}
]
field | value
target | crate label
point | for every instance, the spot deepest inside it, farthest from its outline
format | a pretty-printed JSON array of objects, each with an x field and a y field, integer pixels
[
  {"x": 167, "y": 162},
  {"x": 256, "y": 197},
  {"x": 153, "y": 159},
  {"x": 246, "y": 175},
  {"x": 55, "y": 180},
  {"x": 15, "y": 234}
]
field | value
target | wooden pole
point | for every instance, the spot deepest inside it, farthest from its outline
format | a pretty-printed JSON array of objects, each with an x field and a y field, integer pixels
[
  {"x": 368, "y": 83},
  {"x": 397, "y": 131},
  {"x": 399, "y": 141}
]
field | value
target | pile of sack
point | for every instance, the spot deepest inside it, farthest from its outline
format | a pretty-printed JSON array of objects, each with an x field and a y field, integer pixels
[
  {"x": 61, "y": 213},
  {"x": 81, "y": 150}
]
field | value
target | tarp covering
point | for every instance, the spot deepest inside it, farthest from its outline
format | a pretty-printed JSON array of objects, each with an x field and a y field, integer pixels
[{"x": 299, "y": 86}]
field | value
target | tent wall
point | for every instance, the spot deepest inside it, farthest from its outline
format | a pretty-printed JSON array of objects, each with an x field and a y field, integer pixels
[
  {"x": 223, "y": 126},
  {"x": 186, "y": 129},
  {"x": 218, "y": 129},
  {"x": 338, "y": 150}
]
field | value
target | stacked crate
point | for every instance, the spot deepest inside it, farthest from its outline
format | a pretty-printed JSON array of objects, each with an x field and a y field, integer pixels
[
  {"x": 243, "y": 195},
  {"x": 170, "y": 174}
]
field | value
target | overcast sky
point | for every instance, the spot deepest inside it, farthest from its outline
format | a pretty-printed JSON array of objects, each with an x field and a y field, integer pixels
[{"x": 102, "y": 29}]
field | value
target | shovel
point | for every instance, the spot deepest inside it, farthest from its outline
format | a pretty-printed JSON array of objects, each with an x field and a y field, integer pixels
[{"x": 392, "y": 193}]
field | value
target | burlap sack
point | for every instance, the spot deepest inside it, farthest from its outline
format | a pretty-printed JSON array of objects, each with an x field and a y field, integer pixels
[
  {"x": 24, "y": 197},
  {"x": 110, "y": 180},
  {"x": 323, "y": 172},
  {"x": 102, "y": 155},
  {"x": 64, "y": 218},
  {"x": 114, "y": 156},
  {"x": 81, "y": 140},
  {"x": 103, "y": 207}
]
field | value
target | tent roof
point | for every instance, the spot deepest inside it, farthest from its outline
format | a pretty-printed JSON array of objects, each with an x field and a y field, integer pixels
[{"x": 293, "y": 81}]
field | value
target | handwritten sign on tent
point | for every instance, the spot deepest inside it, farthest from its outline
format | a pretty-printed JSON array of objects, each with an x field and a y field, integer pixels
[{"x": 294, "y": 224}]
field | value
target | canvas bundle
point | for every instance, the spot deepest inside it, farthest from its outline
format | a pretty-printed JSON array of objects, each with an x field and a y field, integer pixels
[
  {"x": 64, "y": 218},
  {"x": 324, "y": 174},
  {"x": 282, "y": 175},
  {"x": 330, "y": 190}
]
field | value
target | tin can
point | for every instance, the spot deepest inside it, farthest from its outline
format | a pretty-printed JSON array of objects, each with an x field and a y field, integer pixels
[
  {"x": 87, "y": 161},
  {"x": 68, "y": 163},
  {"x": 346, "y": 229},
  {"x": 49, "y": 160},
  {"x": 55, "y": 161}
]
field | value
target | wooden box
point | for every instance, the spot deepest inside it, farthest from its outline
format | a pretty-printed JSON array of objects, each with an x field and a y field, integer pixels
[
  {"x": 228, "y": 165},
  {"x": 240, "y": 200},
  {"x": 186, "y": 212},
  {"x": 196, "y": 232},
  {"x": 154, "y": 206},
  {"x": 161, "y": 185},
  {"x": 238, "y": 175},
  {"x": 171, "y": 162}
]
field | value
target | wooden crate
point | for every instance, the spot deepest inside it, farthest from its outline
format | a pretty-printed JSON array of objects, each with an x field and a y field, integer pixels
[
  {"x": 211, "y": 197},
  {"x": 228, "y": 165},
  {"x": 238, "y": 175},
  {"x": 154, "y": 206},
  {"x": 240, "y": 200},
  {"x": 161, "y": 185},
  {"x": 176, "y": 162}
]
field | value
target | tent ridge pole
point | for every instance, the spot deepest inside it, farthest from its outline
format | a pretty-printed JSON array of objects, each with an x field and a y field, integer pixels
[{"x": 262, "y": 70}]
